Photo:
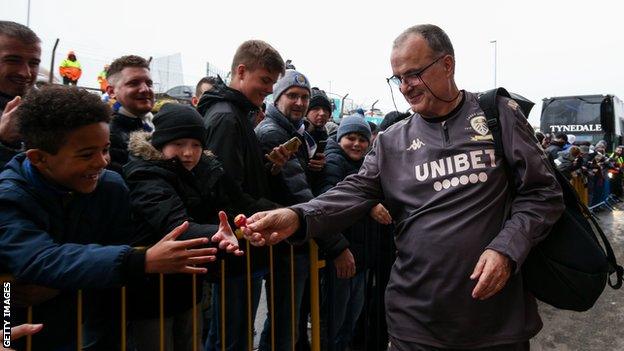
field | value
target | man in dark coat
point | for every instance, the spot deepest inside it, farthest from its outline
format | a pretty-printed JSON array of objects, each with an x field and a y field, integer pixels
[
  {"x": 20, "y": 55},
  {"x": 293, "y": 185},
  {"x": 319, "y": 113},
  {"x": 130, "y": 83},
  {"x": 556, "y": 146}
]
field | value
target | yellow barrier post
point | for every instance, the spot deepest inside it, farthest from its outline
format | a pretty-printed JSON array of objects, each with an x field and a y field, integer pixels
[
  {"x": 194, "y": 312},
  {"x": 222, "y": 305},
  {"x": 161, "y": 304},
  {"x": 79, "y": 322},
  {"x": 123, "y": 318},
  {"x": 292, "y": 298},
  {"x": 315, "y": 315},
  {"x": 29, "y": 320},
  {"x": 249, "y": 321},
  {"x": 271, "y": 301}
]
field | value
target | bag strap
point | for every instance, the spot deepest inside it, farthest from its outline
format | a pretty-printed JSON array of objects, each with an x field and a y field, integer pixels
[{"x": 488, "y": 103}]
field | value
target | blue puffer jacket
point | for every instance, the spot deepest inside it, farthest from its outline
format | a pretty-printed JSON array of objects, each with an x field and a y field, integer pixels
[{"x": 53, "y": 237}]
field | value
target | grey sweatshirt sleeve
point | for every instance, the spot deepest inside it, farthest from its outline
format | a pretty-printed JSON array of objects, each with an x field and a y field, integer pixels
[
  {"x": 343, "y": 205},
  {"x": 538, "y": 203}
]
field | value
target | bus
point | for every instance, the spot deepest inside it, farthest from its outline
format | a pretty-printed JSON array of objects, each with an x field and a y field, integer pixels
[{"x": 590, "y": 118}]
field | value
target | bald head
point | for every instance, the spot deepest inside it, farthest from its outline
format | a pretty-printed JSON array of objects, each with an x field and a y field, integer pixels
[{"x": 435, "y": 37}]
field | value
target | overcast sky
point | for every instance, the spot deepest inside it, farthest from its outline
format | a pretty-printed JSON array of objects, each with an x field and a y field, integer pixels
[{"x": 545, "y": 48}]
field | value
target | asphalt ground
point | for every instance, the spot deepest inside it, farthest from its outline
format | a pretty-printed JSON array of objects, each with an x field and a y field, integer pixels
[{"x": 600, "y": 328}]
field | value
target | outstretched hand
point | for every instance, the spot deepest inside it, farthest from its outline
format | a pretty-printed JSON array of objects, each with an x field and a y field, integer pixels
[
  {"x": 271, "y": 227},
  {"x": 492, "y": 271},
  {"x": 171, "y": 256},
  {"x": 225, "y": 237}
]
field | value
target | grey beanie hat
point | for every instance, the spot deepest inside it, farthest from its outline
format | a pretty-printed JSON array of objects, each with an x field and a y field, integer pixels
[
  {"x": 290, "y": 79},
  {"x": 353, "y": 124}
]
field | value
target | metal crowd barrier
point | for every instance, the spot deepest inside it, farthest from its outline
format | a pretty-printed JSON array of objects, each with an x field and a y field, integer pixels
[{"x": 315, "y": 266}]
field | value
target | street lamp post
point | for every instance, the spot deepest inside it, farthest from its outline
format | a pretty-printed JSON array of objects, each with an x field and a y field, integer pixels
[
  {"x": 28, "y": 15},
  {"x": 495, "y": 58}
]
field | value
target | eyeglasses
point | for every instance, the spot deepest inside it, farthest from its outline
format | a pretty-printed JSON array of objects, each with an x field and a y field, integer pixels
[
  {"x": 296, "y": 97},
  {"x": 410, "y": 78}
]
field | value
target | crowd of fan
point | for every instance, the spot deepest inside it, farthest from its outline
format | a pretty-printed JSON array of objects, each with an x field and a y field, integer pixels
[
  {"x": 78, "y": 212},
  {"x": 595, "y": 173}
]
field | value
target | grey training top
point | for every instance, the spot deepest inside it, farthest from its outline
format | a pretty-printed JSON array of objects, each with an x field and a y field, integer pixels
[{"x": 447, "y": 192}]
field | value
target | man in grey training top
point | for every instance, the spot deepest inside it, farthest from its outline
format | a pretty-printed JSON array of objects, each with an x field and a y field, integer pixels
[{"x": 456, "y": 282}]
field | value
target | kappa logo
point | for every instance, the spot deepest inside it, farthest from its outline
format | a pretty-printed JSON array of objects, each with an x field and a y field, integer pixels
[{"x": 416, "y": 144}]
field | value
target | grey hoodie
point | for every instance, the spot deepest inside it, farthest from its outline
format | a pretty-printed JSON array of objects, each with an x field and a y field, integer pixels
[{"x": 447, "y": 193}]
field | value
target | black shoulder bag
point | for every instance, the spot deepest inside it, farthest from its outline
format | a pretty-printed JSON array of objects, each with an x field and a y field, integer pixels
[{"x": 568, "y": 269}]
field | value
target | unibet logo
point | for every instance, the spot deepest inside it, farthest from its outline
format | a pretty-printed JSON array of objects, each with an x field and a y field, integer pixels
[{"x": 441, "y": 168}]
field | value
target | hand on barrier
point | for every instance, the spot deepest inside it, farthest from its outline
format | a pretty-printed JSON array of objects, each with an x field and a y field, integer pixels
[
  {"x": 171, "y": 256},
  {"x": 345, "y": 265},
  {"x": 271, "y": 227},
  {"x": 225, "y": 237},
  {"x": 493, "y": 270}
]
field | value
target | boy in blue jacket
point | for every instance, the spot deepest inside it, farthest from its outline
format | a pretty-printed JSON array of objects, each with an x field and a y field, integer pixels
[{"x": 64, "y": 221}]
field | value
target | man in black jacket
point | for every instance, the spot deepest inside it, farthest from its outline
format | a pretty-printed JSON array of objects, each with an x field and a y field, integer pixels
[
  {"x": 130, "y": 83},
  {"x": 556, "y": 146},
  {"x": 319, "y": 113},
  {"x": 293, "y": 185},
  {"x": 229, "y": 114},
  {"x": 20, "y": 55}
]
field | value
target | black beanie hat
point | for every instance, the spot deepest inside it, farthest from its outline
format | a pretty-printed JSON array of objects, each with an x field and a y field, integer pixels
[
  {"x": 319, "y": 98},
  {"x": 176, "y": 121}
]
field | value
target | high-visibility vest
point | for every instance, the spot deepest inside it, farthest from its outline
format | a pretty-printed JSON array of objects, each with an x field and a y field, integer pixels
[
  {"x": 102, "y": 80},
  {"x": 70, "y": 69}
]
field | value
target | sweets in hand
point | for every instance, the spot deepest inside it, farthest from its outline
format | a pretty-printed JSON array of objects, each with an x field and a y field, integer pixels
[{"x": 240, "y": 221}]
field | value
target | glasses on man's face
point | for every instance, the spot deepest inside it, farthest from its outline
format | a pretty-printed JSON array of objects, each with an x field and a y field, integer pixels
[
  {"x": 410, "y": 78},
  {"x": 296, "y": 97}
]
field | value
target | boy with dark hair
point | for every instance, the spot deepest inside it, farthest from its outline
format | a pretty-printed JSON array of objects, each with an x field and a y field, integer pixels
[
  {"x": 64, "y": 218},
  {"x": 130, "y": 83},
  {"x": 172, "y": 180}
]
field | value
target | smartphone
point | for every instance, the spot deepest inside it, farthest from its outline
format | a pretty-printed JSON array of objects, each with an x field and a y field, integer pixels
[
  {"x": 291, "y": 145},
  {"x": 320, "y": 146}
]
